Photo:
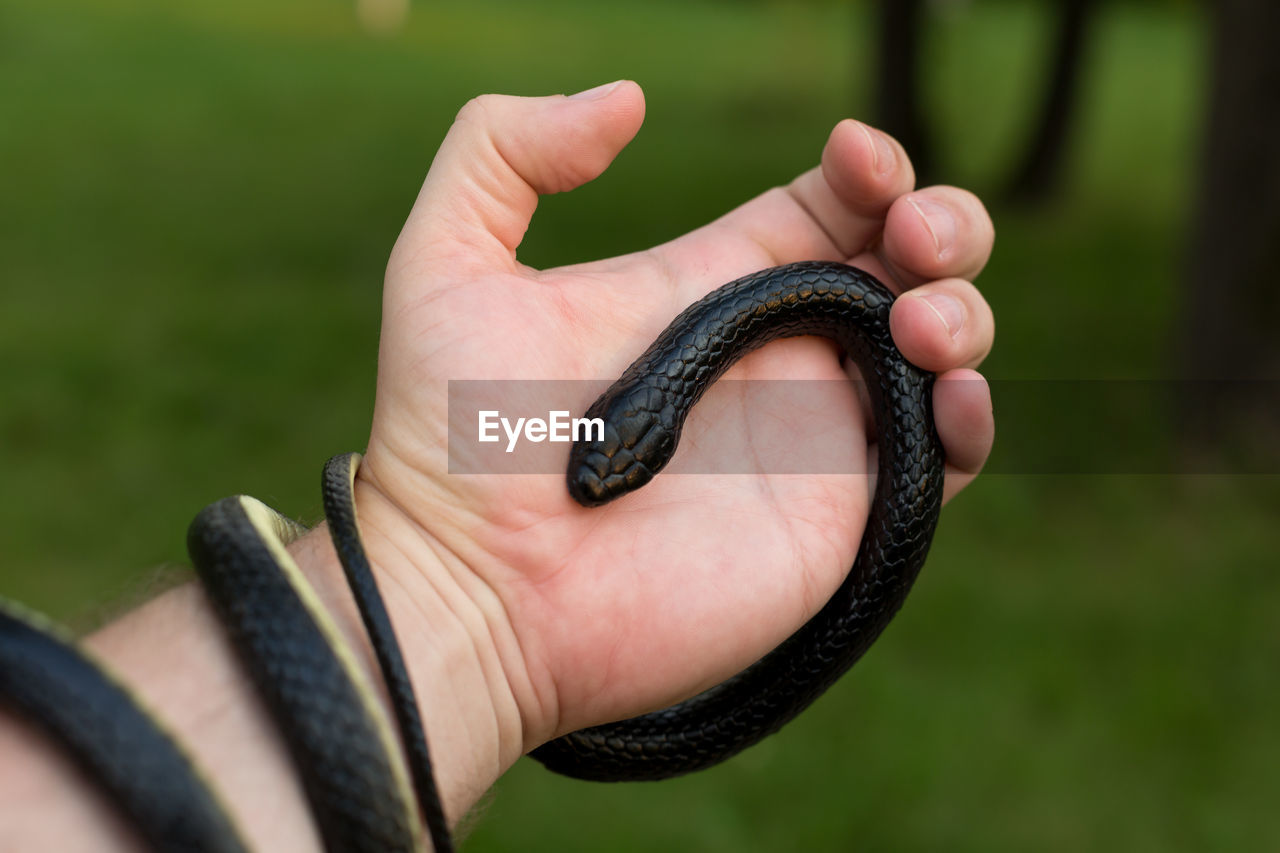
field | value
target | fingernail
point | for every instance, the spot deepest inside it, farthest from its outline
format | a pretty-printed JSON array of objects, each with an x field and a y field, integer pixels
[
  {"x": 949, "y": 311},
  {"x": 883, "y": 156},
  {"x": 596, "y": 93},
  {"x": 938, "y": 219}
]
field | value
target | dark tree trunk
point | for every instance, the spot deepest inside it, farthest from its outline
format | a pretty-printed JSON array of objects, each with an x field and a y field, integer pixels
[
  {"x": 897, "y": 97},
  {"x": 1232, "y": 290},
  {"x": 1037, "y": 176}
]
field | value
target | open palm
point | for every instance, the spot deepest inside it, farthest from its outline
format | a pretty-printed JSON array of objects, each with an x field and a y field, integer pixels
[{"x": 610, "y": 612}]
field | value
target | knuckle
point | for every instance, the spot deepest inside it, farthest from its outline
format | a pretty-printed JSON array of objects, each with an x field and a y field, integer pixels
[{"x": 478, "y": 111}]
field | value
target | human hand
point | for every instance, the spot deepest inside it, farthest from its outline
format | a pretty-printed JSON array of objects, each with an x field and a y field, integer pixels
[{"x": 582, "y": 616}]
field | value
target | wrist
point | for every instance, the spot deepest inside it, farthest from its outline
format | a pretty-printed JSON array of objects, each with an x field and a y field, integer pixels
[{"x": 453, "y": 634}]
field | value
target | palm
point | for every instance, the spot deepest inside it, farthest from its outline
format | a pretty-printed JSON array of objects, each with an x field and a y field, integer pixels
[{"x": 689, "y": 562}]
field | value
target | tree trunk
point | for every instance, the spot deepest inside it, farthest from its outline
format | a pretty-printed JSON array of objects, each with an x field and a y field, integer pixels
[
  {"x": 897, "y": 97},
  {"x": 1038, "y": 175},
  {"x": 1228, "y": 339}
]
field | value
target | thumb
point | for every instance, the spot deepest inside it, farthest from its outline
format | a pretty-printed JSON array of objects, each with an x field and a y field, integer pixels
[{"x": 500, "y": 155}]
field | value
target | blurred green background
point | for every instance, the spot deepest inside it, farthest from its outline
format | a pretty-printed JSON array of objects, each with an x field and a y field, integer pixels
[{"x": 196, "y": 204}]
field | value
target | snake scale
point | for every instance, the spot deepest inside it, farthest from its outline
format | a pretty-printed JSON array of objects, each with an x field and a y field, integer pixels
[{"x": 361, "y": 787}]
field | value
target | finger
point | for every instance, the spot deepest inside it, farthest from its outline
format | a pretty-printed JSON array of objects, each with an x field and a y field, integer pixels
[
  {"x": 501, "y": 153},
  {"x": 933, "y": 233},
  {"x": 863, "y": 170},
  {"x": 966, "y": 426},
  {"x": 943, "y": 325},
  {"x": 826, "y": 213}
]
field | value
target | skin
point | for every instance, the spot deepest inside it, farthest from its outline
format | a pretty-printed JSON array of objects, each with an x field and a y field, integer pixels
[{"x": 522, "y": 615}]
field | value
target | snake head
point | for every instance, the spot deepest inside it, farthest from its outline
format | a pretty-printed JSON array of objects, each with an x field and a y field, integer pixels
[{"x": 637, "y": 440}]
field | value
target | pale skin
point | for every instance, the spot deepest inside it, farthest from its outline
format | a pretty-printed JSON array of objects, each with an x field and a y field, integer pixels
[{"x": 522, "y": 615}]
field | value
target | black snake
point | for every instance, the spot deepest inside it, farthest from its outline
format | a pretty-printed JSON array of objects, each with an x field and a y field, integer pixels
[{"x": 362, "y": 791}]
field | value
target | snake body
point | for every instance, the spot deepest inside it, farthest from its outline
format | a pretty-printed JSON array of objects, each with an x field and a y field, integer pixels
[
  {"x": 115, "y": 743},
  {"x": 643, "y": 414},
  {"x": 360, "y": 790}
]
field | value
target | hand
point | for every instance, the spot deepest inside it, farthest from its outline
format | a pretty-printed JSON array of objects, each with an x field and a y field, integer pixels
[{"x": 582, "y": 616}]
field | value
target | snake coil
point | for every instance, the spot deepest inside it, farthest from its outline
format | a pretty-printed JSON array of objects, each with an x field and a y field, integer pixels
[{"x": 362, "y": 791}]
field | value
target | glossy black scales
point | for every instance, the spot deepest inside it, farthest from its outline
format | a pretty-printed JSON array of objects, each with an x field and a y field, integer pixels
[{"x": 643, "y": 414}]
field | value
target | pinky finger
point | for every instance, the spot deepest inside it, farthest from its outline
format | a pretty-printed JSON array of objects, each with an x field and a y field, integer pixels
[{"x": 966, "y": 425}]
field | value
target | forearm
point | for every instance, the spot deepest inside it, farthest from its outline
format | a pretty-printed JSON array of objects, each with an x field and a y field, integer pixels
[{"x": 175, "y": 657}]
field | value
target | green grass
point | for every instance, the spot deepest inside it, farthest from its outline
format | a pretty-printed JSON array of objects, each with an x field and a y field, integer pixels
[{"x": 196, "y": 202}]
